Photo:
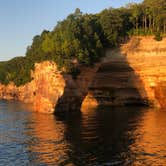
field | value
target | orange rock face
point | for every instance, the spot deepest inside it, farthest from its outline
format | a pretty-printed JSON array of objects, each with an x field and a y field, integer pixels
[
  {"x": 44, "y": 91},
  {"x": 147, "y": 57},
  {"x": 133, "y": 74}
]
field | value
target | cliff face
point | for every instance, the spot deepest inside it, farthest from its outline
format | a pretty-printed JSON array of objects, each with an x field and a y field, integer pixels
[
  {"x": 133, "y": 74},
  {"x": 51, "y": 90},
  {"x": 147, "y": 57},
  {"x": 45, "y": 90},
  {"x": 116, "y": 83}
]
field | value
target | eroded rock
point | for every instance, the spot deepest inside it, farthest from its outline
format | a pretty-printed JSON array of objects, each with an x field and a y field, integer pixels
[{"x": 133, "y": 74}]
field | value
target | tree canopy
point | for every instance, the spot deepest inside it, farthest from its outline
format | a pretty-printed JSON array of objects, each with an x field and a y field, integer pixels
[{"x": 83, "y": 38}]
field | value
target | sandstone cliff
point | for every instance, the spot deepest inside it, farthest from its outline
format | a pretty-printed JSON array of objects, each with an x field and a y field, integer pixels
[
  {"x": 44, "y": 91},
  {"x": 51, "y": 89},
  {"x": 147, "y": 57},
  {"x": 133, "y": 74}
]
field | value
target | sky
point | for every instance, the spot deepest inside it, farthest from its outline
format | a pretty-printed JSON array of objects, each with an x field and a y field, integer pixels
[{"x": 21, "y": 20}]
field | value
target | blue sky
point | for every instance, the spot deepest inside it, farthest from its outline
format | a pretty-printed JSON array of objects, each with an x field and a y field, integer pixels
[{"x": 20, "y": 20}]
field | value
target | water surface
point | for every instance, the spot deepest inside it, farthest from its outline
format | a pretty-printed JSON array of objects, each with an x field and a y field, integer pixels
[{"x": 96, "y": 137}]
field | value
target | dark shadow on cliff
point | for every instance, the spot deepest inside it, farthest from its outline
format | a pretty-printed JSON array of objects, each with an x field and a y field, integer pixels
[
  {"x": 75, "y": 90},
  {"x": 116, "y": 83},
  {"x": 71, "y": 99}
]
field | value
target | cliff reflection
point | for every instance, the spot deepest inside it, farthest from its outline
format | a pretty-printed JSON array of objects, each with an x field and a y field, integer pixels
[
  {"x": 48, "y": 142},
  {"x": 124, "y": 135},
  {"x": 150, "y": 139},
  {"x": 102, "y": 136}
]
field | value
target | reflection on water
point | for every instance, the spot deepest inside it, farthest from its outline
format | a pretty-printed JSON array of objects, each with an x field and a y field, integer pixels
[
  {"x": 150, "y": 144},
  {"x": 28, "y": 138},
  {"x": 105, "y": 136},
  {"x": 47, "y": 143}
]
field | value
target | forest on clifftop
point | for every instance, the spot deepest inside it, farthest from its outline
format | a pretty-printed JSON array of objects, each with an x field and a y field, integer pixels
[{"x": 82, "y": 38}]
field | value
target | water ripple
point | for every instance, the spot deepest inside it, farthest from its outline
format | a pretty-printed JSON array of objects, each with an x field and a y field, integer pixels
[{"x": 100, "y": 137}]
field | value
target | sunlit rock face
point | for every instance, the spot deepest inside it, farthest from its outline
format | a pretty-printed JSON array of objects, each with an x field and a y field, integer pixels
[
  {"x": 8, "y": 92},
  {"x": 45, "y": 91},
  {"x": 49, "y": 86},
  {"x": 115, "y": 83},
  {"x": 51, "y": 90},
  {"x": 147, "y": 57},
  {"x": 133, "y": 74},
  {"x": 160, "y": 93}
]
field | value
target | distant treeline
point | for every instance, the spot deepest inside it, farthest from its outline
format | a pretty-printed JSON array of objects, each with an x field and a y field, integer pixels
[{"x": 81, "y": 38}]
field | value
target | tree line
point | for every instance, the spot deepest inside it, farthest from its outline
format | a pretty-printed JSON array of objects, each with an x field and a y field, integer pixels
[
  {"x": 82, "y": 38},
  {"x": 149, "y": 17}
]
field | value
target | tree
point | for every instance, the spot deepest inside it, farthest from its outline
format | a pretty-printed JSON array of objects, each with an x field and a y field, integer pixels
[
  {"x": 83, "y": 37},
  {"x": 111, "y": 23}
]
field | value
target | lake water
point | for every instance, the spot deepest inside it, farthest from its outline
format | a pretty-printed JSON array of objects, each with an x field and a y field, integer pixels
[{"x": 102, "y": 137}]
